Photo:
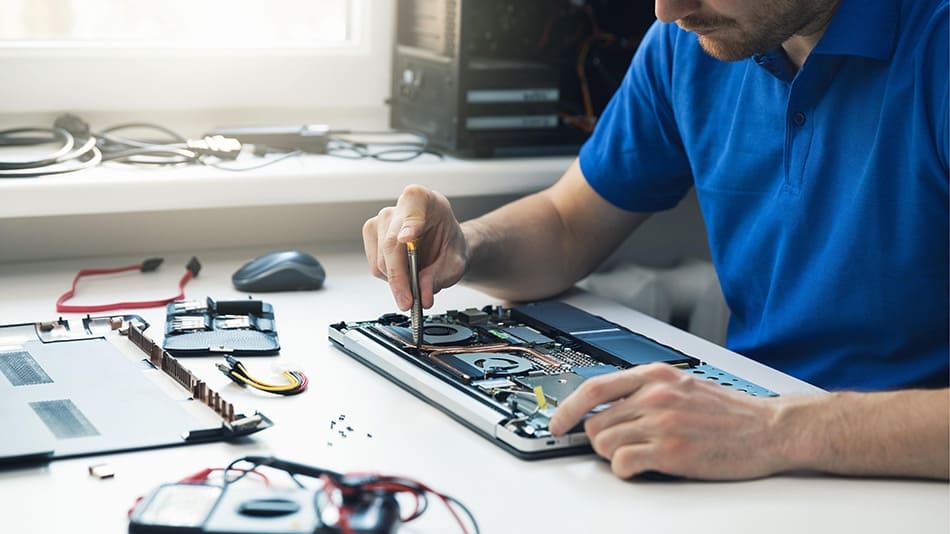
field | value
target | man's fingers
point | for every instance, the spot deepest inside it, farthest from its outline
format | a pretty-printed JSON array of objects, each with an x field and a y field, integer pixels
[
  {"x": 419, "y": 214},
  {"x": 652, "y": 394},
  {"x": 592, "y": 393},
  {"x": 412, "y": 209},
  {"x": 393, "y": 258},
  {"x": 445, "y": 271},
  {"x": 401, "y": 224},
  {"x": 427, "y": 287},
  {"x": 633, "y": 459},
  {"x": 370, "y": 246},
  {"x": 607, "y": 440},
  {"x": 397, "y": 272},
  {"x": 618, "y": 413}
]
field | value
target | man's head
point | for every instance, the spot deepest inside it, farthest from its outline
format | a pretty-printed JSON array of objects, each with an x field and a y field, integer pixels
[{"x": 731, "y": 30}]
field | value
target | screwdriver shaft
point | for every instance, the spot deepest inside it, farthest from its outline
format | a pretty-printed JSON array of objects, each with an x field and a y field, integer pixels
[{"x": 416, "y": 314}]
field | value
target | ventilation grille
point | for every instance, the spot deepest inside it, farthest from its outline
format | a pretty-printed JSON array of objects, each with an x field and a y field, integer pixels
[
  {"x": 22, "y": 370},
  {"x": 64, "y": 419},
  {"x": 730, "y": 380},
  {"x": 428, "y": 24}
]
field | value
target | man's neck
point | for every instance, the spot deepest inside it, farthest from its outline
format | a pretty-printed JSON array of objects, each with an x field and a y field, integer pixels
[{"x": 800, "y": 45}]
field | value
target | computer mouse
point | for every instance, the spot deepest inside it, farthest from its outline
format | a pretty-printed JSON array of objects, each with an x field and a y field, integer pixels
[{"x": 286, "y": 270}]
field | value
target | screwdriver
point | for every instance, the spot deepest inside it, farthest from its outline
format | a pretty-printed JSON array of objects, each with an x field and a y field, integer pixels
[{"x": 416, "y": 314}]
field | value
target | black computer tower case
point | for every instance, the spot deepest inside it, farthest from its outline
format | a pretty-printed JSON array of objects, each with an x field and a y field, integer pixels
[{"x": 494, "y": 78}]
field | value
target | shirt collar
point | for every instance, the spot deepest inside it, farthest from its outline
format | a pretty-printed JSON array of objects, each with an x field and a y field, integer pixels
[
  {"x": 777, "y": 63},
  {"x": 862, "y": 28},
  {"x": 858, "y": 28}
]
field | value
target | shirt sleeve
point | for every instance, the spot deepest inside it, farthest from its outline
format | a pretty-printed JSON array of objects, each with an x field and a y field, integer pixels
[
  {"x": 941, "y": 52},
  {"x": 635, "y": 158}
]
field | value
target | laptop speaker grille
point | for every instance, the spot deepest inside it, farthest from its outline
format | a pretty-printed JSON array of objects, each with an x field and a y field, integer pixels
[
  {"x": 22, "y": 370},
  {"x": 64, "y": 419}
]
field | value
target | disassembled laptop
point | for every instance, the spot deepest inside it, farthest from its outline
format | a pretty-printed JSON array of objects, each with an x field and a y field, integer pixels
[{"x": 503, "y": 371}]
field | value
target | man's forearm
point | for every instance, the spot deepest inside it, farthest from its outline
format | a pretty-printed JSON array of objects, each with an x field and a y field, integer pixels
[
  {"x": 541, "y": 244},
  {"x": 516, "y": 252},
  {"x": 900, "y": 433}
]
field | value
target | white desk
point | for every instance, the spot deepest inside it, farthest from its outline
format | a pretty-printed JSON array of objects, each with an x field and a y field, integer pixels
[{"x": 411, "y": 438}]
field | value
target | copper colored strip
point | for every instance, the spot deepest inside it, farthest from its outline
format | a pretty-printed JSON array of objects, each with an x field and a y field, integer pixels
[{"x": 173, "y": 368}]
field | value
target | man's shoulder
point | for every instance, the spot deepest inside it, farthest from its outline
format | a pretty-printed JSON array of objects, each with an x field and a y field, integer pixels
[
  {"x": 924, "y": 40},
  {"x": 920, "y": 19}
]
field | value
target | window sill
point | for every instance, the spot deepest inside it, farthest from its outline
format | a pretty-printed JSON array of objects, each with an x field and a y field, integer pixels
[{"x": 300, "y": 180}]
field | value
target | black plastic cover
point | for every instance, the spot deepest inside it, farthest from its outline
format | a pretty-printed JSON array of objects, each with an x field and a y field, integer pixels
[{"x": 610, "y": 341}]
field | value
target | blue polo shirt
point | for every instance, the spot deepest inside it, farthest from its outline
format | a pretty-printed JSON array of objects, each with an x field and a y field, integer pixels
[{"x": 824, "y": 191}]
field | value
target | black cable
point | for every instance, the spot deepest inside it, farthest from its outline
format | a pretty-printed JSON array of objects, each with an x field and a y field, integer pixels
[
  {"x": 66, "y": 157},
  {"x": 349, "y": 150},
  {"x": 130, "y": 151},
  {"x": 471, "y": 516},
  {"x": 14, "y": 137},
  {"x": 348, "y": 484},
  {"x": 145, "y": 152},
  {"x": 174, "y": 149},
  {"x": 160, "y": 155},
  {"x": 177, "y": 137},
  {"x": 296, "y": 383},
  {"x": 224, "y": 167},
  {"x": 391, "y": 151},
  {"x": 282, "y": 465}
]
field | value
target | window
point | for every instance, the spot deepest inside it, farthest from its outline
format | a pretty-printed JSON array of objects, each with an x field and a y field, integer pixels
[
  {"x": 176, "y": 23},
  {"x": 127, "y": 55}
]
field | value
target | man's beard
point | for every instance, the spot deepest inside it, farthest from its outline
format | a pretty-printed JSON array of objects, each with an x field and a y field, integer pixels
[
  {"x": 732, "y": 42},
  {"x": 735, "y": 50}
]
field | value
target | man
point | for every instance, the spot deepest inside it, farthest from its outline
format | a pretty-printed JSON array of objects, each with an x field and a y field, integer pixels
[{"x": 815, "y": 134}]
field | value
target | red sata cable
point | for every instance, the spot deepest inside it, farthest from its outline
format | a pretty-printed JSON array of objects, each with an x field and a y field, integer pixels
[{"x": 146, "y": 266}]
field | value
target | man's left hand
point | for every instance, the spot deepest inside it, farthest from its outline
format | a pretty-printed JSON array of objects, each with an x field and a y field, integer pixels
[{"x": 663, "y": 419}]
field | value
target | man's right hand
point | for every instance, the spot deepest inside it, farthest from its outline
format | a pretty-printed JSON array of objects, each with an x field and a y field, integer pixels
[{"x": 425, "y": 216}]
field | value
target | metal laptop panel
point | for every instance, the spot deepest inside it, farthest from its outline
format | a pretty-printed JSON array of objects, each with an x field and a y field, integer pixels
[{"x": 69, "y": 392}]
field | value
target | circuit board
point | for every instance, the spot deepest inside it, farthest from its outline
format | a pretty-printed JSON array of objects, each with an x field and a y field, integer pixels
[{"x": 519, "y": 362}]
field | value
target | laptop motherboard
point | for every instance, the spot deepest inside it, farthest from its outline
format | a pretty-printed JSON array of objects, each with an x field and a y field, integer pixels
[{"x": 519, "y": 362}]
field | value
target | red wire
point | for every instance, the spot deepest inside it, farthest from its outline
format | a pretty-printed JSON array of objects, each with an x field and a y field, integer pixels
[
  {"x": 199, "y": 476},
  {"x": 589, "y": 11},
  {"x": 303, "y": 383},
  {"x": 383, "y": 481},
  {"x": 344, "y": 521},
  {"x": 546, "y": 35},
  {"x": 331, "y": 487},
  {"x": 203, "y": 475},
  {"x": 62, "y": 308},
  {"x": 399, "y": 488}
]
